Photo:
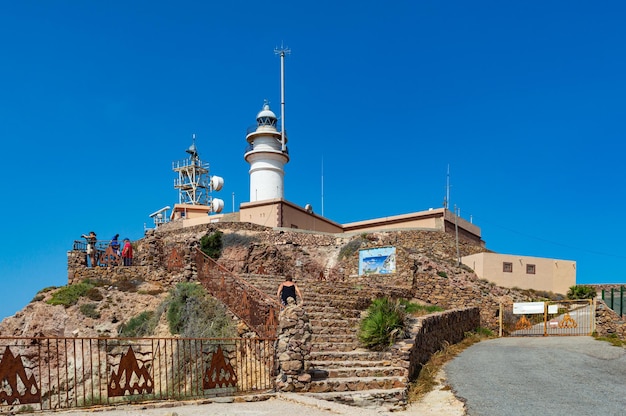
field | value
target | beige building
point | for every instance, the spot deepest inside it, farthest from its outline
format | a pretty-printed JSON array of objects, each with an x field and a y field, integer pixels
[
  {"x": 279, "y": 213},
  {"x": 524, "y": 272}
]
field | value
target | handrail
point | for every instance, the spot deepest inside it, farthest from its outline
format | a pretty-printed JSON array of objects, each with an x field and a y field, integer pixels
[{"x": 251, "y": 305}]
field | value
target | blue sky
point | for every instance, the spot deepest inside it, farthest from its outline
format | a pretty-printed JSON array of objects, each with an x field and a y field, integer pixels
[{"x": 523, "y": 100}]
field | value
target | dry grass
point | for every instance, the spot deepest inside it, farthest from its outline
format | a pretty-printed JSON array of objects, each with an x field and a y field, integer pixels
[{"x": 427, "y": 381}]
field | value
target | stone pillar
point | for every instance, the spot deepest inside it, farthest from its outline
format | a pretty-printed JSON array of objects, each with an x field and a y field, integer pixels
[
  {"x": 293, "y": 349},
  {"x": 75, "y": 260}
]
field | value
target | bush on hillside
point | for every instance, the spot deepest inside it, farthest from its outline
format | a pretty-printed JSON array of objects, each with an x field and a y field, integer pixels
[
  {"x": 141, "y": 325},
  {"x": 211, "y": 244},
  {"x": 90, "y": 310},
  {"x": 192, "y": 313},
  {"x": 69, "y": 295},
  {"x": 581, "y": 292},
  {"x": 384, "y": 323}
]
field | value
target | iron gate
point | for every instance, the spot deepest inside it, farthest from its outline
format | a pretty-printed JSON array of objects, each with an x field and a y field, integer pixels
[{"x": 551, "y": 318}]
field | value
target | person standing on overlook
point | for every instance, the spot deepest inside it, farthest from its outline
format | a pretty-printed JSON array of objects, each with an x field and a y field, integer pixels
[
  {"x": 127, "y": 253},
  {"x": 91, "y": 247},
  {"x": 288, "y": 289},
  {"x": 115, "y": 244}
]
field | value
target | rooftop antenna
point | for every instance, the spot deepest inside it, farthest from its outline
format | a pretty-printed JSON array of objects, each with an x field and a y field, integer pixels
[
  {"x": 446, "y": 200},
  {"x": 322, "y": 186},
  {"x": 282, "y": 52}
]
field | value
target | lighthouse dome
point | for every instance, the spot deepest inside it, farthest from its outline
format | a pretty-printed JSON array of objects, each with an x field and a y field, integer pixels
[{"x": 266, "y": 117}]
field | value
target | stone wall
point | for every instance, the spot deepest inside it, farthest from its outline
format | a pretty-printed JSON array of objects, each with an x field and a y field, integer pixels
[
  {"x": 608, "y": 322},
  {"x": 431, "y": 333},
  {"x": 293, "y": 349}
]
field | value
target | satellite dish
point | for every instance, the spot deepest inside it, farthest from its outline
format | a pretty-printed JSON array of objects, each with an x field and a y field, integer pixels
[
  {"x": 217, "y": 182},
  {"x": 217, "y": 205},
  {"x": 308, "y": 208}
]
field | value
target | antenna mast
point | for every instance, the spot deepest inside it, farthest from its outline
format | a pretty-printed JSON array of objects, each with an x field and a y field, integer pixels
[
  {"x": 322, "y": 186},
  {"x": 282, "y": 52},
  {"x": 446, "y": 201}
]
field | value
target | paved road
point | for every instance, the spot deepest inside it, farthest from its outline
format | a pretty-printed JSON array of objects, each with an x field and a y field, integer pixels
[{"x": 540, "y": 376}]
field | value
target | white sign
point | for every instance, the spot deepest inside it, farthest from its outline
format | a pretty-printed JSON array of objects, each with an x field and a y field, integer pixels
[
  {"x": 527, "y": 308},
  {"x": 553, "y": 309}
]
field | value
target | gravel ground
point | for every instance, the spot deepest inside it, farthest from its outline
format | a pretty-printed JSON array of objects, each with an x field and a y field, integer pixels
[
  {"x": 440, "y": 403},
  {"x": 540, "y": 376}
]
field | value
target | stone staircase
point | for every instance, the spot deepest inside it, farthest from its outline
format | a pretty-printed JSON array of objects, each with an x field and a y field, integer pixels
[{"x": 341, "y": 370}]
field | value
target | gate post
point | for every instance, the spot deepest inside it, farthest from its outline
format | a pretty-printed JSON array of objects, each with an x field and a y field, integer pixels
[{"x": 500, "y": 319}]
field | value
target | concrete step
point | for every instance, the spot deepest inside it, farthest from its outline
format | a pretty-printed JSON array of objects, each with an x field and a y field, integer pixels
[
  {"x": 342, "y": 384},
  {"x": 392, "y": 399},
  {"x": 326, "y": 312},
  {"x": 334, "y": 346},
  {"x": 343, "y": 322},
  {"x": 359, "y": 354},
  {"x": 349, "y": 333},
  {"x": 326, "y": 364},
  {"x": 319, "y": 373}
]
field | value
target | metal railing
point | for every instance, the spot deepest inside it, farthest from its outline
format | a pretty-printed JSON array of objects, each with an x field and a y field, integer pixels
[
  {"x": 105, "y": 255},
  {"x": 42, "y": 374},
  {"x": 255, "y": 308}
]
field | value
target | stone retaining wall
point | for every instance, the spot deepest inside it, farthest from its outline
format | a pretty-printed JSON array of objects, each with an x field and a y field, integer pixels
[
  {"x": 431, "y": 333},
  {"x": 608, "y": 322}
]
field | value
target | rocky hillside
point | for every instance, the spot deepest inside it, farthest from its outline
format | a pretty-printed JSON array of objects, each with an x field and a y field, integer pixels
[{"x": 426, "y": 266}]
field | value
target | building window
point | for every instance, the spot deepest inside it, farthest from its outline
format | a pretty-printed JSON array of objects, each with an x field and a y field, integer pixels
[
  {"x": 530, "y": 269},
  {"x": 507, "y": 267}
]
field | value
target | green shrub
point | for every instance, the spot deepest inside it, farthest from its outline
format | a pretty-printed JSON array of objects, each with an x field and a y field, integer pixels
[
  {"x": 383, "y": 324},
  {"x": 483, "y": 332},
  {"x": 90, "y": 310},
  {"x": 69, "y": 295},
  {"x": 581, "y": 292},
  {"x": 192, "y": 313},
  {"x": 139, "y": 326},
  {"x": 211, "y": 244},
  {"x": 442, "y": 274},
  {"x": 416, "y": 309}
]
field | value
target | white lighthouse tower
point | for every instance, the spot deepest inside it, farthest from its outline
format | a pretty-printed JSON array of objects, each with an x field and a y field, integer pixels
[
  {"x": 266, "y": 158},
  {"x": 267, "y": 149}
]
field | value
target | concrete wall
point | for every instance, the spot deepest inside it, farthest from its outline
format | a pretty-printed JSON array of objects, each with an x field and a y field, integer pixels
[
  {"x": 281, "y": 213},
  {"x": 551, "y": 275}
]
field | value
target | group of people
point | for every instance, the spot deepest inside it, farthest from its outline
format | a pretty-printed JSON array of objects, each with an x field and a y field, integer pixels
[{"x": 92, "y": 251}]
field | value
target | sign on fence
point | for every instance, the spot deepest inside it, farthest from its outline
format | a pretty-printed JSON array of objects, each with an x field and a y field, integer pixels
[{"x": 528, "y": 308}]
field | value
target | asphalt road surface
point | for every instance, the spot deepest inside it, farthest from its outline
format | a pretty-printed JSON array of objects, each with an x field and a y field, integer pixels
[{"x": 540, "y": 376}]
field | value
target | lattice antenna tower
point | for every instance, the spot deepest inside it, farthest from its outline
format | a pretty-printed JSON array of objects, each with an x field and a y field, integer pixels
[
  {"x": 282, "y": 51},
  {"x": 193, "y": 182}
]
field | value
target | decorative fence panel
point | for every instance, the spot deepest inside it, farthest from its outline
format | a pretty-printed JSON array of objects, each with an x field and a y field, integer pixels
[
  {"x": 56, "y": 373},
  {"x": 255, "y": 308}
]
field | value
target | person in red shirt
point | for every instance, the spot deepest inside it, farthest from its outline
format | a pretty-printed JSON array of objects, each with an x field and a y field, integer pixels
[{"x": 127, "y": 253}]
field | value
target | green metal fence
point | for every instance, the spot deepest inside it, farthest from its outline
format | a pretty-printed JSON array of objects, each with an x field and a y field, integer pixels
[{"x": 614, "y": 298}]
